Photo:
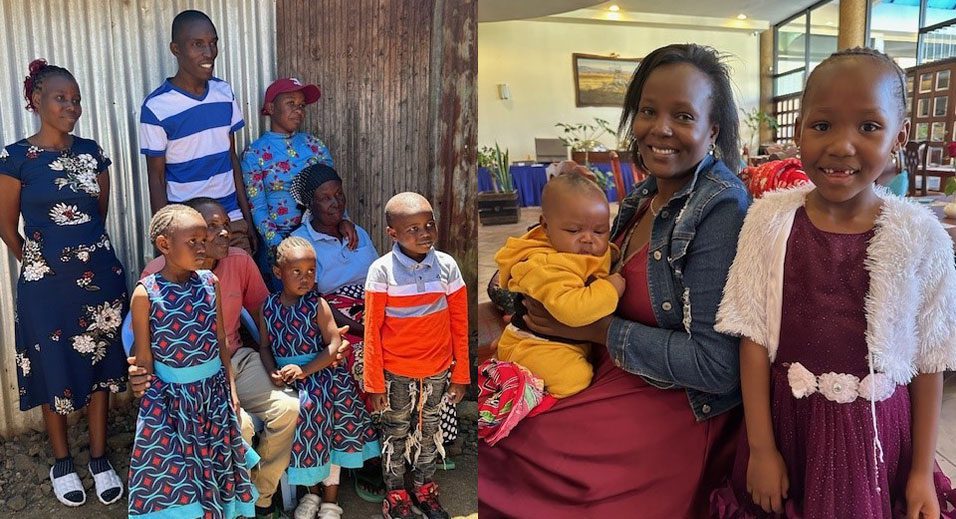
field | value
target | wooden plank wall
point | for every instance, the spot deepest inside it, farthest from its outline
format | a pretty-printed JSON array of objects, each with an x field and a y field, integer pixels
[{"x": 398, "y": 108}]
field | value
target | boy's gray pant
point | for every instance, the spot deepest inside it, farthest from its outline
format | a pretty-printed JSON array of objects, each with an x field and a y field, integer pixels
[{"x": 410, "y": 427}]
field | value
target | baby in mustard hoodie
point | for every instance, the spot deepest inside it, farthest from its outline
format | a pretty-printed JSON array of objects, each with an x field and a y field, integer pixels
[{"x": 564, "y": 263}]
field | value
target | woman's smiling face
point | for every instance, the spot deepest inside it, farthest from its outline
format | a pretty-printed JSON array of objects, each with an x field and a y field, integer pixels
[{"x": 672, "y": 127}]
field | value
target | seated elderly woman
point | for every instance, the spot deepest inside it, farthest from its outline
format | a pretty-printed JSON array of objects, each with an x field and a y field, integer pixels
[{"x": 340, "y": 270}]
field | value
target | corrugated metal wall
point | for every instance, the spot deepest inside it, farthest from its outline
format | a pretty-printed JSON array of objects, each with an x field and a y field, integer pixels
[{"x": 119, "y": 52}]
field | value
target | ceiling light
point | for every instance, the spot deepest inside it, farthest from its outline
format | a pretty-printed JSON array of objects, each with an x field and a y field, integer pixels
[
  {"x": 741, "y": 16},
  {"x": 614, "y": 8}
]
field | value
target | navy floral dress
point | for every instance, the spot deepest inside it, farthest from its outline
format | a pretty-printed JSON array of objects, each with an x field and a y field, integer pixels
[
  {"x": 71, "y": 295},
  {"x": 333, "y": 427},
  {"x": 188, "y": 457}
]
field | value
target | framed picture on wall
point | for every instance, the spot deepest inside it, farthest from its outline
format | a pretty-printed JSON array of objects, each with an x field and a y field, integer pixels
[{"x": 601, "y": 80}]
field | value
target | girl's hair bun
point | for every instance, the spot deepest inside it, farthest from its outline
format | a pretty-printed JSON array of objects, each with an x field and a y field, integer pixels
[{"x": 37, "y": 65}]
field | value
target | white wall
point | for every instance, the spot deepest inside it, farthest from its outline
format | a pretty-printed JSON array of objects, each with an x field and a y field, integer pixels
[{"x": 534, "y": 59}]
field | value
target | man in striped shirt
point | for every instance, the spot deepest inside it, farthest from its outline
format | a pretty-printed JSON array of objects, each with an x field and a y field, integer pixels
[
  {"x": 416, "y": 330},
  {"x": 187, "y": 127}
]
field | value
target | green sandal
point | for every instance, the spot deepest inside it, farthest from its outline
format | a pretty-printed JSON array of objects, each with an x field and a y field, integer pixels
[{"x": 370, "y": 489}]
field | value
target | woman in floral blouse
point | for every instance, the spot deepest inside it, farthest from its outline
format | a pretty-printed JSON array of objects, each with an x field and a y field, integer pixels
[
  {"x": 271, "y": 162},
  {"x": 71, "y": 295}
]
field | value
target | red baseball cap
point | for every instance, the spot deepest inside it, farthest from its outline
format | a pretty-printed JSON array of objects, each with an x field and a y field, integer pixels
[{"x": 290, "y": 84}]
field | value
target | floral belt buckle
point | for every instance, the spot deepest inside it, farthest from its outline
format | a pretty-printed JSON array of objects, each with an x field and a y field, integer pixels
[{"x": 841, "y": 388}]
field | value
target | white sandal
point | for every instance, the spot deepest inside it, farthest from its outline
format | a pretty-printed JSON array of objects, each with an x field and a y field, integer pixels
[
  {"x": 107, "y": 480},
  {"x": 308, "y": 506},
  {"x": 65, "y": 484},
  {"x": 330, "y": 511}
]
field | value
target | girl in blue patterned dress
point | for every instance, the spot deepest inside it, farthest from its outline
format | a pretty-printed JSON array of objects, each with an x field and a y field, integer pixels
[
  {"x": 334, "y": 430},
  {"x": 188, "y": 457},
  {"x": 71, "y": 294}
]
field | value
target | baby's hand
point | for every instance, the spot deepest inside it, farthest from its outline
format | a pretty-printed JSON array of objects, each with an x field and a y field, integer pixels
[
  {"x": 291, "y": 373},
  {"x": 379, "y": 402},
  {"x": 618, "y": 281},
  {"x": 456, "y": 392},
  {"x": 276, "y": 378}
]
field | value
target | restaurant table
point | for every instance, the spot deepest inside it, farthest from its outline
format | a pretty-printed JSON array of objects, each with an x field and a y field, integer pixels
[{"x": 485, "y": 182}]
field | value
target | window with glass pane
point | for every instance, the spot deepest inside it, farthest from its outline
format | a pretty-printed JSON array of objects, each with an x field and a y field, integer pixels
[
  {"x": 789, "y": 83},
  {"x": 939, "y": 44},
  {"x": 824, "y": 24},
  {"x": 791, "y": 45},
  {"x": 894, "y": 29}
]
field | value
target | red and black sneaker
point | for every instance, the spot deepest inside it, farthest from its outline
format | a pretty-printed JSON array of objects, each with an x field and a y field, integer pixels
[
  {"x": 426, "y": 499},
  {"x": 398, "y": 505}
]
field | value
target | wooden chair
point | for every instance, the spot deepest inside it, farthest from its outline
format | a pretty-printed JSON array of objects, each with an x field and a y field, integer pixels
[{"x": 914, "y": 159}]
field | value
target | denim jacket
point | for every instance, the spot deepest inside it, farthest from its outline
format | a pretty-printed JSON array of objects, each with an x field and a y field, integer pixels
[{"x": 693, "y": 243}]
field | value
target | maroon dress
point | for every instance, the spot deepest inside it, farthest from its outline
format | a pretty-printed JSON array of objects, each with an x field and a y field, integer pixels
[
  {"x": 827, "y": 446},
  {"x": 620, "y": 448}
]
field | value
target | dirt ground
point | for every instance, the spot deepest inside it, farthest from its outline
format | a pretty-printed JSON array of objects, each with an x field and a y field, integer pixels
[{"x": 25, "y": 490}]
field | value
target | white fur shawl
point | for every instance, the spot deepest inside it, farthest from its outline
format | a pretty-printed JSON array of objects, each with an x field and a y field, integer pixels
[{"x": 911, "y": 304}]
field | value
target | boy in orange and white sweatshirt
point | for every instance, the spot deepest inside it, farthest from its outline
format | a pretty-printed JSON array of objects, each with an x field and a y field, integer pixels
[
  {"x": 564, "y": 264},
  {"x": 416, "y": 330}
]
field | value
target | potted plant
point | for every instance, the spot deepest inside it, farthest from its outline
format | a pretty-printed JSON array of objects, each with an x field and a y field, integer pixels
[
  {"x": 754, "y": 119},
  {"x": 585, "y": 137},
  {"x": 501, "y": 205}
]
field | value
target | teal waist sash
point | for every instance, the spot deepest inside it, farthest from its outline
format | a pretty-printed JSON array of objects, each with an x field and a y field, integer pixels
[
  {"x": 188, "y": 374},
  {"x": 298, "y": 360}
]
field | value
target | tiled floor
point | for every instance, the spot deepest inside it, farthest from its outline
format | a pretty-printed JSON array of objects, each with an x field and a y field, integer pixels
[{"x": 493, "y": 237}]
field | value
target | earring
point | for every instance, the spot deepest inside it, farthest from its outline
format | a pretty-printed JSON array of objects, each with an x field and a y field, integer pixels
[{"x": 713, "y": 146}]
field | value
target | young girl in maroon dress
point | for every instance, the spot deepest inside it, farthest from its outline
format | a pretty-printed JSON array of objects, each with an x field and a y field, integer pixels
[{"x": 845, "y": 299}]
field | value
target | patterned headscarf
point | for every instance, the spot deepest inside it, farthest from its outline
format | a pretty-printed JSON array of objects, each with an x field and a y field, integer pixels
[{"x": 305, "y": 183}]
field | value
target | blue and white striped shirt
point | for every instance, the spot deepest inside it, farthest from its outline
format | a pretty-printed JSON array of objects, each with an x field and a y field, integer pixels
[{"x": 193, "y": 134}]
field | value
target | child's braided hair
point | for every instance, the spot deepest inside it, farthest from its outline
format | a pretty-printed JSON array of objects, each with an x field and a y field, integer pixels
[
  {"x": 166, "y": 217},
  {"x": 870, "y": 53},
  {"x": 288, "y": 245},
  {"x": 40, "y": 70}
]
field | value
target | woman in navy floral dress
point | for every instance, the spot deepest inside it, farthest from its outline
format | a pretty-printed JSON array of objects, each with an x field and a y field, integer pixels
[{"x": 71, "y": 295}]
